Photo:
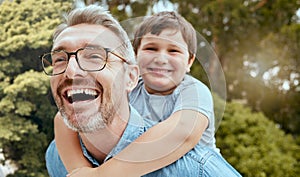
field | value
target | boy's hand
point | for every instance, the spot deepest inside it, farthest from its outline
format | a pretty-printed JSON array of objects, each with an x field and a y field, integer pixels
[{"x": 84, "y": 171}]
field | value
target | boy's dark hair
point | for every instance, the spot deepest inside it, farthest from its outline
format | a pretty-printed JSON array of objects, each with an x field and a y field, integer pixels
[{"x": 167, "y": 20}]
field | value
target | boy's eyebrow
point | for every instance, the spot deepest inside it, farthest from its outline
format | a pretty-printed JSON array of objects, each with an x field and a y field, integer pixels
[
  {"x": 172, "y": 44},
  {"x": 150, "y": 43},
  {"x": 179, "y": 46}
]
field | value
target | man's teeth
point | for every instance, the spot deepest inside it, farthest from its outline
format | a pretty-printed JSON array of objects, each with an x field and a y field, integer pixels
[{"x": 81, "y": 91}]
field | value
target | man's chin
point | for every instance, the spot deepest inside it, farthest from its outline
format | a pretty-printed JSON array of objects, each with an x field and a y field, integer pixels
[
  {"x": 69, "y": 121},
  {"x": 83, "y": 123}
]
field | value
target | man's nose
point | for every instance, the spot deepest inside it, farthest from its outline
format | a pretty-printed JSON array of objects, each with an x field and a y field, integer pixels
[{"x": 73, "y": 70}]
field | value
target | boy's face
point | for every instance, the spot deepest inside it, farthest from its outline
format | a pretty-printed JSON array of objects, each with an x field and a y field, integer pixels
[{"x": 163, "y": 60}]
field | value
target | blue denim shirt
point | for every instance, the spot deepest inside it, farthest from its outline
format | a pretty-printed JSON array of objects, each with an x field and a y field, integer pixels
[{"x": 199, "y": 162}]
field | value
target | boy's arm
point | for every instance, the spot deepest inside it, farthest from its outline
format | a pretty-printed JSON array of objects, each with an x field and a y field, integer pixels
[
  {"x": 158, "y": 147},
  {"x": 68, "y": 145}
]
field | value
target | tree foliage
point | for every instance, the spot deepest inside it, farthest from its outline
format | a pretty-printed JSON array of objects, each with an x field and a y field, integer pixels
[
  {"x": 25, "y": 112},
  {"x": 255, "y": 145},
  {"x": 251, "y": 38}
]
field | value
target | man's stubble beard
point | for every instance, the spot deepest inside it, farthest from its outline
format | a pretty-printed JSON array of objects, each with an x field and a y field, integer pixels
[{"x": 97, "y": 121}]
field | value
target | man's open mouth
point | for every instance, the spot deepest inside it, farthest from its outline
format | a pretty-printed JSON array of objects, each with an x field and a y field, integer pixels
[{"x": 78, "y": 95}]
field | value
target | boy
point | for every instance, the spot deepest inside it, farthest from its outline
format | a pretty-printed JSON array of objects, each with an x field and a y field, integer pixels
[{"x": 165, "y": 46}]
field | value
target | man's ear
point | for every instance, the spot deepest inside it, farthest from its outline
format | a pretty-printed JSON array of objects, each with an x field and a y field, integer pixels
[
  {"x": 133, "y": 76},
  {"x": 190, "y": 63}
]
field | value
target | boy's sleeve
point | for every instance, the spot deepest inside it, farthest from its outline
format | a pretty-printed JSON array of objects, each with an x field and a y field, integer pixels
[{"x": 194, "y": 95}]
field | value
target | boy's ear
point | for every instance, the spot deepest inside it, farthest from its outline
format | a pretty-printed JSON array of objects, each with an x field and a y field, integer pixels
[
  {"x": 190, "y": 63},
  {"x": 133, "y": 76}
]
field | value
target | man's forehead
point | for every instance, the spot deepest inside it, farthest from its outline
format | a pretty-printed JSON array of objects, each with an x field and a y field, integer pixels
[{"x": 82, "y": 35}]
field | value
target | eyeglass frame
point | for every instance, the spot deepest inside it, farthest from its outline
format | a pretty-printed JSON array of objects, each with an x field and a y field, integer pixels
[{"x": 69, "y": 54}]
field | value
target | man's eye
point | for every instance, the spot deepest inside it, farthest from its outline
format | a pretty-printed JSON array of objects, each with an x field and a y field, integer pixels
[
  {"x": 95, "y": 57},
  {"x": 59, "y": 59}
]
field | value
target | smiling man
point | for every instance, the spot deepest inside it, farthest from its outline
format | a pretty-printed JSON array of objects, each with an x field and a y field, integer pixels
[
  {"x": 92, "y": 71},
  {"x": 81, "y": 88}
]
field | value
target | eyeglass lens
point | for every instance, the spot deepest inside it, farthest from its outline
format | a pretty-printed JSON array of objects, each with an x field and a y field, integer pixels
[{"x": 89, "y": 59}]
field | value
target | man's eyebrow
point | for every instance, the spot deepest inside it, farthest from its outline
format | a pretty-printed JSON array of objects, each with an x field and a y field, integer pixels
[
  {"x": 93, "y": 46},
  {"x": 58, "y": 48}
]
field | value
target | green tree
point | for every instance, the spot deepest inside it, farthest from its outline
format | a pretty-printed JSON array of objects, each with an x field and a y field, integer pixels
[
  {"x": 250, "y": 39},
  {"x": 25, "y": 112},
  {"x": 286, "y": 45},
  {"x": 256, "y": 146}
]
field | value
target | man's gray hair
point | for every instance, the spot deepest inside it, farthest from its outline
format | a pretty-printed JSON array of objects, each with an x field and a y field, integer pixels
[{"x": 97, "y": 15}]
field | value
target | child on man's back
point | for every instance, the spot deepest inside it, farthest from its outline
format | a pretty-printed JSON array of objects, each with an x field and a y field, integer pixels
[{"x": 165, "y": 45}]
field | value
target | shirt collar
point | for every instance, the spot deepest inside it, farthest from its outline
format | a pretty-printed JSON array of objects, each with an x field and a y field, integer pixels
[{"x": 135, "y": 127}]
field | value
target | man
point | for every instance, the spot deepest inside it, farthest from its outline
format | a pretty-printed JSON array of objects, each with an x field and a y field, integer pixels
[
  {"x": 90, "y": 83},
  {"x": 92, "y": 71}
]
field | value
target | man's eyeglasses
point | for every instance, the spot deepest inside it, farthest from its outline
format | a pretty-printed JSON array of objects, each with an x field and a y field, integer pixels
[{"x": 89, "y": 59}]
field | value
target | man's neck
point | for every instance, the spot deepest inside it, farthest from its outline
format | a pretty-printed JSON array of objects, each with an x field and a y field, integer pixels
[{"x": 100, "y": 143}]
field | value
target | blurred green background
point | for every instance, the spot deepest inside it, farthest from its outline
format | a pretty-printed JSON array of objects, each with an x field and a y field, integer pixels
[{"x": 257, "y": 43}]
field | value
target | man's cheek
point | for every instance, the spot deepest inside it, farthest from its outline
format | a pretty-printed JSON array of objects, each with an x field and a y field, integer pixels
[{"x": 53, "y": 84}]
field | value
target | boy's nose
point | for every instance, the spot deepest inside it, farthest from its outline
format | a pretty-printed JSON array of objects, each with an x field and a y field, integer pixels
[
  {"x": 73, "y": 70},
  {"x": 161, "y": 58}
]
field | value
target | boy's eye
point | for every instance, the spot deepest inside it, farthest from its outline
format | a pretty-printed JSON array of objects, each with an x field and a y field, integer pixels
[
  {"x": 174, "y": 51},
  {"x": 150, "y": 48}
]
